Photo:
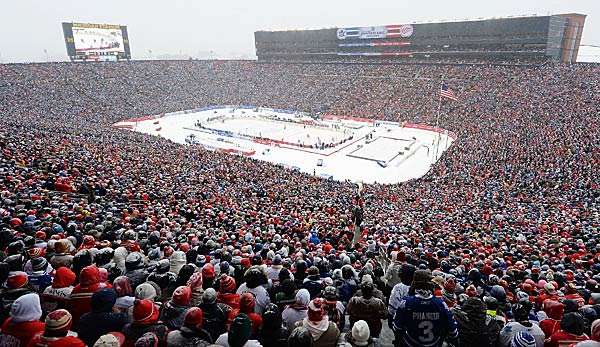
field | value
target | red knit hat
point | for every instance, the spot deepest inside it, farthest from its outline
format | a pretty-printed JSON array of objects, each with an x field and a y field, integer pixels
[
  {"x": 247, "y": 302},
  {"x": 58, "y": 322},
  {"x": 18, "y": 279},
  {"x": 145, "y": 311},
  {"x": 316, "y": 310},
  {"x": 245, "y": 262},
  {"x": 184, "y": 247},
  {"x": 182, "y": 296},
  {"x": 208, "y": 271},
  {"x": 193, "y": 318},
  {"x": 227, "y": 284},
  {"x": 471, "y": 291}
]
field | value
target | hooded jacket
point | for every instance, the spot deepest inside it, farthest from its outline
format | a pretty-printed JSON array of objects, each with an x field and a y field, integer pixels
[
  {"x": 56, "y": 296},
  {"x": 371, "y": 310},
  {"x": 23, "y": 323},
  {"x": 475, "y": 327},
  {"x": 80, "y": 301},
  {"x": 297, "y": 311},
  {"x": 554, "y": 310}
]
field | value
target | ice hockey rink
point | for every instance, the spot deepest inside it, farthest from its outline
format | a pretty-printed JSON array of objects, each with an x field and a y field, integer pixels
[{"x": 331, "y": 147}]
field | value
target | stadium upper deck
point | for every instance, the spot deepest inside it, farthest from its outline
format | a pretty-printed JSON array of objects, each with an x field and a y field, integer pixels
[{"x": 514, "y": 39}]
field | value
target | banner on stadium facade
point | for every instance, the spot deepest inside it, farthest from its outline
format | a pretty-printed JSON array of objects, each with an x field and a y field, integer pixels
[{"x": 376, "y": 32}]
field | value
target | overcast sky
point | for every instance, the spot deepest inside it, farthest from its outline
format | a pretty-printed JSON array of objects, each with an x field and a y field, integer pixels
[{"x": 226, "y": 27}]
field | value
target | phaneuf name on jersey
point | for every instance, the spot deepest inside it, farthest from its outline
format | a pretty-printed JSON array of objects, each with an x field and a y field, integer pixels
[{"x": 425, "y": 315}]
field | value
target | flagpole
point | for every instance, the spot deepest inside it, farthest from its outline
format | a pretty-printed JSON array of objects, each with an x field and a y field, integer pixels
[{"x": 437, "y": 118}]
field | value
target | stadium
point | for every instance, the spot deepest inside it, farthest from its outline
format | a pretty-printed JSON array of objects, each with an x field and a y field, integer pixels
[{"x": 421, "y": 184}]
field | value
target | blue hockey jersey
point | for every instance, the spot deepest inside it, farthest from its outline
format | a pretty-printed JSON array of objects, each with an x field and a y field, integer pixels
[{"x": 424, "y": 321}]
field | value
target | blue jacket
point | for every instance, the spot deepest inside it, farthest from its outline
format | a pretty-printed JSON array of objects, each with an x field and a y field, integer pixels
[{"x": 424, "y": 321}]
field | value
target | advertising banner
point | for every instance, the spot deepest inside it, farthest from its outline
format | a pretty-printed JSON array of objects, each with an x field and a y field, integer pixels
[{"x": 375, "y": 32}]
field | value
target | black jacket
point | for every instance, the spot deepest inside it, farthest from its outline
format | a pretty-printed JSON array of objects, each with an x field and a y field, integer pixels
[
  {"x": 475, "y": 327},
  {"x": 92, "y": 325}
]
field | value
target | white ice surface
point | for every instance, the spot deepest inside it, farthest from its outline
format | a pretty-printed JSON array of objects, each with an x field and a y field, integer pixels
[{"x": 336, "y": 163}]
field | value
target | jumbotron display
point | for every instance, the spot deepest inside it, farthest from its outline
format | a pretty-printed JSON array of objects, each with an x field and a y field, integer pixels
[
  {"x": 513, "y": 39},
  {"x": 87, "y": 41}
]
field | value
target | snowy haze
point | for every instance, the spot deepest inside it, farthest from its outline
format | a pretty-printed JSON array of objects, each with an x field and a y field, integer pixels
[{"x": 30, "y": 30}]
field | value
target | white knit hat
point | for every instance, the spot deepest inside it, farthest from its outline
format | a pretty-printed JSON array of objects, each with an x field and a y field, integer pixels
[{"x": 361, "y": 333}]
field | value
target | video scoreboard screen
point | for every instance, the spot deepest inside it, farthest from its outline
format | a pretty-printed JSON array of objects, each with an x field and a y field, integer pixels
[{"x": 100, "y": 42}]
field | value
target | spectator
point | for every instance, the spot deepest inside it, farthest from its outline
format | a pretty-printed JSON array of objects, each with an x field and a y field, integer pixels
[
  {"x": 521, "y": 323},
  {"x": 367, "y": 308},
  {"x": 272, "y": 332},
  {"x": 23, "y": 323},
  {"x": 56, "y": 332},
  {"x": 422, "y": 318},
  {"x": 297, "y": 311},
  {"x": 215, "y": 314},
  {"x": 572, "y": 330},
  {"x": 475, "y": 327},
  {"x": 102, "y": 319},
  {"x": 172, "y": 313},
  {"x": 239, "y": 334},
  {"x": 324, "y": 332},
  {"x": 360, "y": 335},
  {"x": 145, "y": 320},
  {"x": 191, "y": 333},
  {"x": 56, "y": 295}
]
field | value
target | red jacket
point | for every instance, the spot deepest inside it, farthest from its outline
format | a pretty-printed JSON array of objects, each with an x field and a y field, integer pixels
[
  {"x": 230, "y": 299},
  {"x": 80, "y": 301},
  {"x": 23, "y": 332},
  {"x": 67, "y": 341},
  {"x": 561, "y": 338}
]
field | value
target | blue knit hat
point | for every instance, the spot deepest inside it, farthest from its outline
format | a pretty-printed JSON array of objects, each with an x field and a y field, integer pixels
[{"x": 523, "y": 339}]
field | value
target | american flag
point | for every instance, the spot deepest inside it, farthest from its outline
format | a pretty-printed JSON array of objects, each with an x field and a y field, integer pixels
[{"x": 446, "y": 92}]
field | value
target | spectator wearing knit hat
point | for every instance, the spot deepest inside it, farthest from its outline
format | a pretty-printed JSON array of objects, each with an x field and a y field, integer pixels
[
  {"x": 125, "y": 298},
  {"x": 173, "y": 311},
  {"x": 102, "y": 319},
  {"x": 145, "y": 319},
  {"x": 359, "y": 336},
  {"x": 422, "y": 318},
  {"x": 475, "y": 327},
  {"x": 324, "y": 332},
  {"x": 272, "y": 332},
  {"x": 80, "y": 301},
  {"x": 191, "y": 333},
  {"x": 17, "y": 285},
  {"x": 208, "y": 275},
  {"x": 112, "y": 339},
  {"x": 56, "y": 295},
  {"x": 23, "y": 323},
  {"x": 196, "y": 284},
  {"x": 215, "y": 314},
  {"x": 521, "y": 323},
  {"x": 56, "y": 332},
  {"x": 239, "y": 334},
  {"x": 62, "y": 255},
  {"x": 227, "y": 294},
  {"x": 247, "y": 304}
]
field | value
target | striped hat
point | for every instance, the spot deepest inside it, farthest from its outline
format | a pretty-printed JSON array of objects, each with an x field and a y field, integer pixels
[
  {"x": 58, "y": 321},
  {"x": 523, "y": 339}
]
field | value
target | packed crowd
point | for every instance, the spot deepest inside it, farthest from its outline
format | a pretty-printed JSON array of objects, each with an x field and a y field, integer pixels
[{"x": 115, "y": 238}]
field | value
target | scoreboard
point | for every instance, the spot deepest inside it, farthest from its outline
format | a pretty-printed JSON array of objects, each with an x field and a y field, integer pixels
[{"x": 96, "y": 42}]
